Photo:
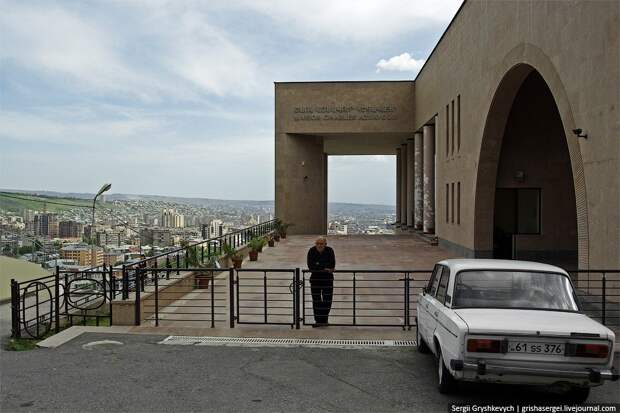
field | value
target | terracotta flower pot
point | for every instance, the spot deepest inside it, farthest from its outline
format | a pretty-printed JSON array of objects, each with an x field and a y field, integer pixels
[
  {"x": 237, "y": 262},
  {"x": 253, "y": 255},
  {"x": 283, "y": 235},
  {"x": 201, "y": 281},
  {"x": 277, "y": 238},
  {"x": 271, "y": 243}
]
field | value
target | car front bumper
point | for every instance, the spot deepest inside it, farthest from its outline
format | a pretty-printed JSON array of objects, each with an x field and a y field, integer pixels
[{"x": 482, "y": 371}]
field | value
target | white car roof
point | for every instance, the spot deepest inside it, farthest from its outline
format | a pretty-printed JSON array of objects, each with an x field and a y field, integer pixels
[{"x": 461, "y": 264}]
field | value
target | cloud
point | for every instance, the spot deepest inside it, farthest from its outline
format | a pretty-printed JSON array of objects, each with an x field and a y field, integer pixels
[
  {"x": 151, "y": 53},
  {"x": 354, "y": 20},
  {"x": 401, "y": 63}
]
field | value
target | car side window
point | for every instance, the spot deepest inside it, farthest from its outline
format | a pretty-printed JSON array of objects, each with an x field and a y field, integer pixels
[
  {"x": 443, "y": 285},
  {"x": 436, "y": 278}
]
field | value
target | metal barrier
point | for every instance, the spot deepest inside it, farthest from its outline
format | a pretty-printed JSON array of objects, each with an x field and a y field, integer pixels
[
  {"x": 208, "y": 296},
  {"x": 599, "y": 294},
  {"x": 45, "y": 303},
  {"x": 266, "y": 296},
  {"x": 196, "y": 298},
  {"x": 368, "y": 298}
]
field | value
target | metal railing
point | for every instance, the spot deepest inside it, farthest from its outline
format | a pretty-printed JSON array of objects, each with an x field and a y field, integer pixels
[
  {"x": 179, "y": 258},
  {"x": 598, "y": 292},
  {"x": 367, "y": 298},
  {"x": 198, "y": 296},
  {"x": 46, "y": 303}
]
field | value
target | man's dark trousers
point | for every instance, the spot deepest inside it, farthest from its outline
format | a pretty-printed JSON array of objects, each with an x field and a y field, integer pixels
[{"x": 322, "y": 287}]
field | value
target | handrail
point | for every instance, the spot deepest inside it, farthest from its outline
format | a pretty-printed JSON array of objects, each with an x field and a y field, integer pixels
[{"x": 164, "y": 254}]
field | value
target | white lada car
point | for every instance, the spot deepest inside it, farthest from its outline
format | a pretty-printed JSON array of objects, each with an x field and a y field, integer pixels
[{"x": 511, "y": 322}]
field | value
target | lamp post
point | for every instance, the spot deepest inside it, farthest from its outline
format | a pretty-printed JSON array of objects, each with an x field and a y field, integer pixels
[{"x": 93, "y": 261}]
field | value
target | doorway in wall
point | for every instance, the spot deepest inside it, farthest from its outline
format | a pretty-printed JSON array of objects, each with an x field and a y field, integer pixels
[{"x": 361, "y": 190}]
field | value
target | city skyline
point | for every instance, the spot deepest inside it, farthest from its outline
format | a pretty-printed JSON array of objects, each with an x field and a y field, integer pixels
[{"x": 175, "y": 93}]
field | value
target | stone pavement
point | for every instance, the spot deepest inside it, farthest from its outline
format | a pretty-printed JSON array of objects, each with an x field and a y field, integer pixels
[{"x": 379, "y": 298}]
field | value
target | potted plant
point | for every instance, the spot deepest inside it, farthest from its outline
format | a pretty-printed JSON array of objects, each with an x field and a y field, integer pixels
[
  {"x": 233, "y": 255},
  {"x": 255, "y": 244},
  {"x": 271, "y": 242},
  {"x": 194, "y": 260},
  {"x": 282, "y": 227},
  {"x": 276, "y": 236}
]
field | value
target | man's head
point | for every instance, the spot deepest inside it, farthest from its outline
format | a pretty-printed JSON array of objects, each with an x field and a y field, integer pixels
[{"x": 320, "y": 243}]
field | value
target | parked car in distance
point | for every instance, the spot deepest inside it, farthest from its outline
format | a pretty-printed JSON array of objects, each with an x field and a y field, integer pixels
[{"x": 502, "y": 321}]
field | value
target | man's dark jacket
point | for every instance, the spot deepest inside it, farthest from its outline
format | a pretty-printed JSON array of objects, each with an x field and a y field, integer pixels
[{"x": 319, "y": 261}]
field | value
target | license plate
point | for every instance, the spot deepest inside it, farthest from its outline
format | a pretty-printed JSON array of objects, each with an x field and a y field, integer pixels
[{"x": 535, "y": 348}]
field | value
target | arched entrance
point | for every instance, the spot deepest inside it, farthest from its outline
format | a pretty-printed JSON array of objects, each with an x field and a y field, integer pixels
[{"x": 525, "y": 201}]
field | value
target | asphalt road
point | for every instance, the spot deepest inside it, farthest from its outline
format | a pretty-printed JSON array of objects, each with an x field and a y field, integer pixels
[{"x": 141, "y": 375}]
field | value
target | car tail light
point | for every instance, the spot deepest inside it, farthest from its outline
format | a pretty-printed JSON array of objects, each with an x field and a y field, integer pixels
[
  {"x": 484, "y": 345},
  {"x": 600, "y": 351}
]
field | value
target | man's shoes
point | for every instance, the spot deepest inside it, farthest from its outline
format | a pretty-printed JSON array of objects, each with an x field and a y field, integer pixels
[{"x": 315, "y": 325}]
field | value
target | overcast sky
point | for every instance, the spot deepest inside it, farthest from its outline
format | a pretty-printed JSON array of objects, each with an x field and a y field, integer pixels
[{"x": 176, "y": 97}]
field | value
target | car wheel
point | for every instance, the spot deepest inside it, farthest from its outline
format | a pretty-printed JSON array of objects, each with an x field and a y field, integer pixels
[
  {"x": 578, "y": 394},
  {"x": 445, "y": 378},
  {"x": 422, "y": 347}
]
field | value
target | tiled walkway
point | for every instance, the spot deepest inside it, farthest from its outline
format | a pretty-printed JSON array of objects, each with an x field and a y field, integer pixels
[{"x": 378, "y": 298}]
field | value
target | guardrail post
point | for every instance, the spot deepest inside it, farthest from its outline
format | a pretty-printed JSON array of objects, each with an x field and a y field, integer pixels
[
  {"x": 137, "y": 306},
  {"x": 231, "y": 296},
  {"x": 296, "y": 299},
  {"x": 178, "y": 263},
  {"x": 354, "y": 300},
  {"x": 604, "y": 297},
  {"x": 15, "y": 321},
  {"x": 405, "y": 299},
  {"x": 57, "y": 298},
  {"x": 125, "y": 293},
  {"x": 157, "y": 300}
]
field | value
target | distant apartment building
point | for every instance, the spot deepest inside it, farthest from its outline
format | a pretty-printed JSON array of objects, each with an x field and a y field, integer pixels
[
  {"x": 170, "y": 218},
  {"x": 70, "y": 229},
  {"x": 111, "y": 258},
  {"x": 46, "y": 225},
  {"x": 157, "y": 237},
  {"x": 82, "y": 253},
  {"x": 213, "y": 230},
  {"x": 108, "y": 238}
]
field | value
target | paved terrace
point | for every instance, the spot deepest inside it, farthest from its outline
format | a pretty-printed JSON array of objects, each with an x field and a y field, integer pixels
[{"x": 379, "y": 297}]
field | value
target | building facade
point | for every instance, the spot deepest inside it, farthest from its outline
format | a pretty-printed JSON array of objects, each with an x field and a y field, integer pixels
[{"x": 506, "y": 143}]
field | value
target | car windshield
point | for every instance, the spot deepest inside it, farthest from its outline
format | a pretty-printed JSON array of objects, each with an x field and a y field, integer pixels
[{"x": 513, "y": 289}]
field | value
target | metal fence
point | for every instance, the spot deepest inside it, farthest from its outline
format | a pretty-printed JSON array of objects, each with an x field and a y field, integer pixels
[
  {"x": 46, "y": 303},
  {"x": 599, "y": 294},
  {"x": 210, "y": 297},
  {"x": 369, "y": 298}
]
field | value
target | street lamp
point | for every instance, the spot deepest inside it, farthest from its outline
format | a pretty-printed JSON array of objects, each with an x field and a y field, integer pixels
[{"x": 104, "y": 188}]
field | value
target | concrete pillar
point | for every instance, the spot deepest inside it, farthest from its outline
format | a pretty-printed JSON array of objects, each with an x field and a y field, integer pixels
[
  {"x": 403, "y": 186},
  {"x": 418, "y": 198},
  {"x": 410, "y": 182},
  {"x": 398, "y": 161},
  {"x": 429, "y": 179}
]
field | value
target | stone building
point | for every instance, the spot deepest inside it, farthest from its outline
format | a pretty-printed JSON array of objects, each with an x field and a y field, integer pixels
[{"x": 507, "y": 142}]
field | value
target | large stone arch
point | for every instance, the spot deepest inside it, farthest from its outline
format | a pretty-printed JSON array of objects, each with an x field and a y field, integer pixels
[{"x": 513, "y": 70}]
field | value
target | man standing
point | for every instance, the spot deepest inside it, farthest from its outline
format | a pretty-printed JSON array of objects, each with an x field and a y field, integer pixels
[{"x": 321, "y": 262}]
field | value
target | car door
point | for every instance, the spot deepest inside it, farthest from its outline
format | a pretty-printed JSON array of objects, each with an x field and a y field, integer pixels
[
  {"x": 429, "y": 306},
  {"x": 445, "y": 326},
  {"x": 423, "y": 317}
]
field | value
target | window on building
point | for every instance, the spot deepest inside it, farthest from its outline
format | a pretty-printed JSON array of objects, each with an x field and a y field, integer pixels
[
  {"x": 458, "y": 203},
  {"x": 452, "y": 202},
  {"x": 528, "y": 207},
  {"x": 517, "y": 210},
  {"x": 458, "y": 123},
  {"x": 447, "y": 203},
  {"x": 447, "y": 122},
  {"x": 452, "y": 124}
]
